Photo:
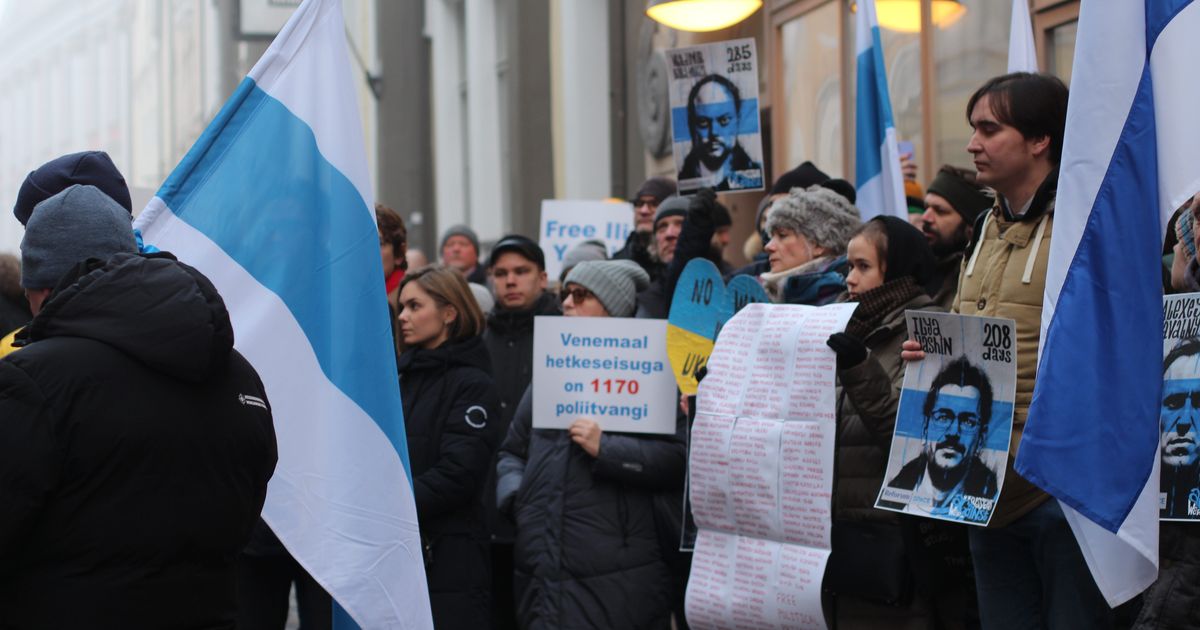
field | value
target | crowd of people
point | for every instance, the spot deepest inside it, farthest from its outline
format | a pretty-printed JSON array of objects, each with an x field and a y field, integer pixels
[{"x": 524, "y": 527}]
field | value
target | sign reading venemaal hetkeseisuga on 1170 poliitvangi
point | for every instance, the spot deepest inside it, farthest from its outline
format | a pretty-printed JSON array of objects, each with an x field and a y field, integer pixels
[
  {"x": 611, "y": 370},
  {"x": 950, "y": 445},
  {"x": 714, "y": 116}
]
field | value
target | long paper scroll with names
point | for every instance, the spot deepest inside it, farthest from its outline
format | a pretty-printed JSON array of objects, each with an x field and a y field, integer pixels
[{"x": 761, "y": 469}]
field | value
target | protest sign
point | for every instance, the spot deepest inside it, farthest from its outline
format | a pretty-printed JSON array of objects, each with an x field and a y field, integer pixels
[
  {"x": 566, "y": 224},
  {"x": 950, "y": 445},
  {"x": 1179, "y": 492},
  {"x": 700, "y": 307},
  {"x": 612, "y": 370},
  {"x": 714, "y": 116},
  {"x": 761, "y": 469}
]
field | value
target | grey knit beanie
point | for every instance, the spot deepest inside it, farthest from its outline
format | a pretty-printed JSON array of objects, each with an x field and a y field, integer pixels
[
  {"x": 582, "y": 252},
  {"x": 76, "y": 224},
  {"x": 825, "y": 218},
  {"x": 614, "y": 282},
  {"x": 673, "y": 206},
  {"x": 460, "y": 230}
]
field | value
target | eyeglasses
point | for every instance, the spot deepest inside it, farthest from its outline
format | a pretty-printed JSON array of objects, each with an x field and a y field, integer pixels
[
  {"x": 637, "y": 203},
  {"x": 1177, "y": 401},
  {"x": 967, "y": 421},
  {"x": 578, "y": 294}
]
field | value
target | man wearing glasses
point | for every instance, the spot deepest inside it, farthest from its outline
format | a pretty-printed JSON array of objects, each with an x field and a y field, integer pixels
[
  {"x": 957, "y": 409},
  {"x": 645, "y": 202}
]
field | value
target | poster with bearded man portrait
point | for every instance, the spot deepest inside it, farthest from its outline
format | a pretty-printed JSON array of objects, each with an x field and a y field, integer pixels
[
  {"x": 1179, "y": 492},
  {"x": 954, "y": 419},
  {"x": 714, "y": 116}
]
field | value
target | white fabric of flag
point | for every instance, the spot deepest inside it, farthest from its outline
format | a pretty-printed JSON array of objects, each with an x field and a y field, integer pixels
[{"x": 274, "y": 204}]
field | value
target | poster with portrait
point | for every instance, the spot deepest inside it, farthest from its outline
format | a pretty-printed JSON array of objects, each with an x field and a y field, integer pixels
[
  {"x": 714, "y": 116},
  {"x": 950, "y": 445},
  {"x": 1179, "y": 492}
]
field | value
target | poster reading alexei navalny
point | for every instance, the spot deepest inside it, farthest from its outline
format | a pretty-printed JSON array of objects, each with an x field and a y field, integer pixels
[
  {"x": 714, "y": 116},
  {"x": 954, "y": 420},
  {"x": 1179, "y": 492}
]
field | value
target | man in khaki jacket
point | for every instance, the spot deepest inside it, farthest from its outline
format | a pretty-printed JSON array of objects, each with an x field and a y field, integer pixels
[{"x": 1029, "y": 570}]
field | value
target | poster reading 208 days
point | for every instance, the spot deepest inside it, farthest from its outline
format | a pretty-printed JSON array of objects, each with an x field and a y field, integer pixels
[
  {"x": 714, "y": 116},
  {"x": 950, "y": 444}
]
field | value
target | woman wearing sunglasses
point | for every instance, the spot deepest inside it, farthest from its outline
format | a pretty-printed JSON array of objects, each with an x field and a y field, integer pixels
[{"x": 587, "y": 550}]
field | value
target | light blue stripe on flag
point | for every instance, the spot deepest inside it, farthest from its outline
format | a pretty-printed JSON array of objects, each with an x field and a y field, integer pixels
[{"x": 287, "y": 193}]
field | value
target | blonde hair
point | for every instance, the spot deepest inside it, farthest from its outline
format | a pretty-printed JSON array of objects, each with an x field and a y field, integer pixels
[{"x": 447, "y": 287}]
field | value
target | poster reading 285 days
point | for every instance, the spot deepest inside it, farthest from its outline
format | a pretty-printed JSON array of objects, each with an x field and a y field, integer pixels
[
  {"x": 714, "y": 116},
  {"x": 950, "y": 445}
]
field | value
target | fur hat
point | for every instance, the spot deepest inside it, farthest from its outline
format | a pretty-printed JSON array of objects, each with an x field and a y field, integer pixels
[
  {"x": 614, "y": 282},
  {"x": 825, "y": 218},
  {"x": 78, "y": 223}
]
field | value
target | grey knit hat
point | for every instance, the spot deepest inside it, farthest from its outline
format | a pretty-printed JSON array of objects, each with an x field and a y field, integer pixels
[
  {"x": 825, "y": 218},
  {"x": 584, "y": 251},
  {"x": 76, "y": 224},
  {"x": 673, "y": 206},
  {"x": 614, "y": 282},
  {"x": 460, "y": 230}
]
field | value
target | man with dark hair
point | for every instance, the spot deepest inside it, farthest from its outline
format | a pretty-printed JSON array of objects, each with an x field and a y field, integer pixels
[
  {"x": 952, "y": 203},
  {"x": 716, "y": 159},
  {"x": 957, "y": 410},
  {"x": 135, "y": 442},
  {"x": 1029, "y": 569},
  {"x": 1180, "y": 451},
  {"x": 517, "y": 267}
]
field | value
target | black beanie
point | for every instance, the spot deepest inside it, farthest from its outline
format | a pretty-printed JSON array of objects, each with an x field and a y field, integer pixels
[
  {"x": 957, "y": 186},
  {"x": 908, "y": 251},
  {"x": 89, "y": 168},
  {"x": 657, "y": 187},
  {"x": 803, "y": 176}
]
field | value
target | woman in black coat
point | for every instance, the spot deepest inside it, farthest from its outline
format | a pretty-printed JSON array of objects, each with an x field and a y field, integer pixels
[
  {"x": 450, "y": 415},
  {"x": 588, "y": 551}
]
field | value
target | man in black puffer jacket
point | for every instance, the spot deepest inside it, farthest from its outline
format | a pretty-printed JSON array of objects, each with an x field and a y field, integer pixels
[{"x": 135, "y": 442}]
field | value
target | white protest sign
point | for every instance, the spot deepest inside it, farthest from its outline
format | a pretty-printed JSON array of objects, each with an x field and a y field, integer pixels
[
  {"x": 761, "y": 469},
  {"x": 566, "y": 224},
  {"x": 609, "y": 369}
]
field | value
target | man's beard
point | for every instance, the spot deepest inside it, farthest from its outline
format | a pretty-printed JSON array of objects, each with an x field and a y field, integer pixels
[
  {"x": 943, "y": 247},
  {"x": 945, "y": 479}
]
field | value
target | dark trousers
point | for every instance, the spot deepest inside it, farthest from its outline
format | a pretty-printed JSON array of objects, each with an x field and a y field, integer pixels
[
  {"x": 504, "y": 599},
  {"x": 263, "y": 585},
  {"x": 1031, "y": 574}
]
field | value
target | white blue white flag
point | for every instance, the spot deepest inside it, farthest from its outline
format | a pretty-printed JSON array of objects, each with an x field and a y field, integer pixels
[
  {"x": 1091, "y": 439},
  {"x": 876, "y": 154},
  {"x": 1022, "y": 54},
  {"x": 274, "y": 204}
]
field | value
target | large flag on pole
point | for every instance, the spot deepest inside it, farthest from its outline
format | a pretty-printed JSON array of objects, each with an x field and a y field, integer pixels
[
  {"x": 274, "y": 204},
  {"x": 876, "y": 154},
  {"x": 1022, "y": 54},
  {"x": 1092, "y": 435}
]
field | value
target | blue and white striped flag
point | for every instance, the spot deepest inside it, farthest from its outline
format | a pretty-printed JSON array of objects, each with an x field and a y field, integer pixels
[
  {"x": 1128, "y": 161},
  {"x": 274, "y": 204},
  {"x": 876, "y": 155}
]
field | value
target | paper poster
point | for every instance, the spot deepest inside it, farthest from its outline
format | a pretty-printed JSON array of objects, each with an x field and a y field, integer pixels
[
  {"x": 1179, "y": 494},
  {"x": 950, "y": 446},
  {"x": 612, "y": 370},
  {"x": 566, "y": 224},
  {"x": 700, "y": 307},
  {"x": 714, "y": 116},
  {"x": 761, "y": 469}
]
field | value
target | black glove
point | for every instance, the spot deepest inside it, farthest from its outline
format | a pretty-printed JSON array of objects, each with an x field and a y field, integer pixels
[
  {"x": 850, "y": 351},
  {"x": 701, "y": 209}
]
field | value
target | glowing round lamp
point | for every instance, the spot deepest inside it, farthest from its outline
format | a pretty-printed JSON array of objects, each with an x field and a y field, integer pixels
[
  {"x": 701, "y": 15},
  {"x": 905, "y": 15}
]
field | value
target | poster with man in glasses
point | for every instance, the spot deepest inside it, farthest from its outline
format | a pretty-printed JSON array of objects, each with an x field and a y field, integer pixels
[
  {"x": 950, "y": 443},
  {"x": 714, "y": 116},
  {"x": 1179, "y": 492}
]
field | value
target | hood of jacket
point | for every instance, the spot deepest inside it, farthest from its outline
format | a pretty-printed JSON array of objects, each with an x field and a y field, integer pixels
[
  {"x": 506, "y": 321},
  {"x": 470, "y": 352},
  {"x": 153, "y": 308}
]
